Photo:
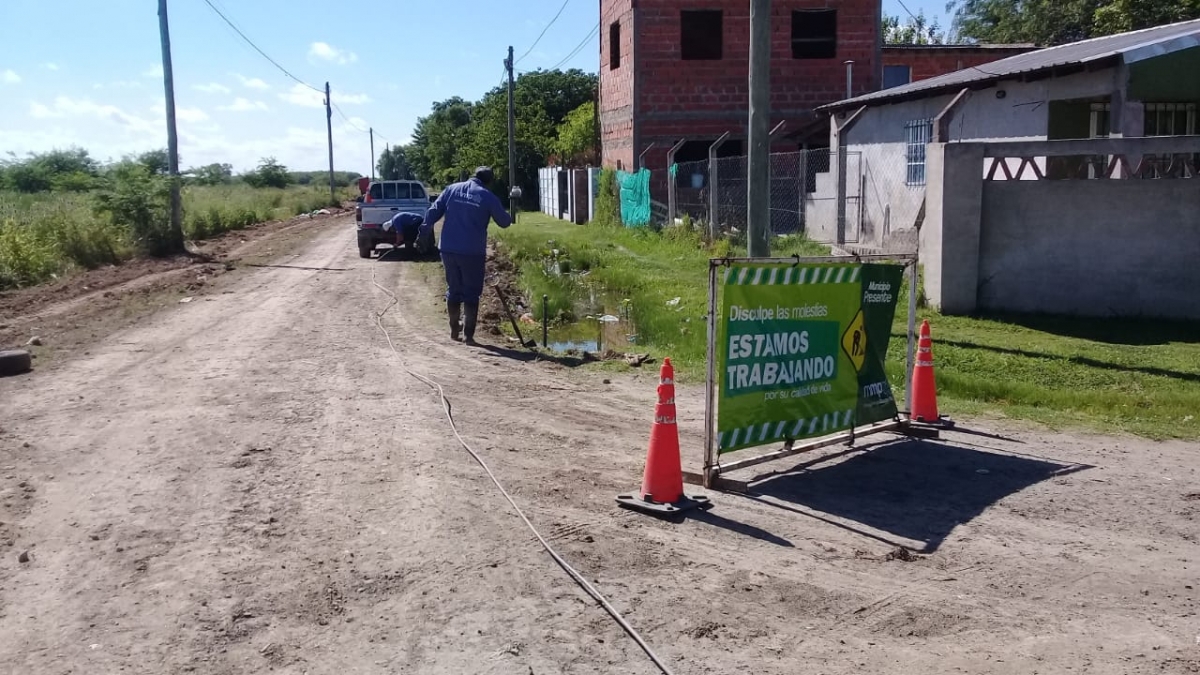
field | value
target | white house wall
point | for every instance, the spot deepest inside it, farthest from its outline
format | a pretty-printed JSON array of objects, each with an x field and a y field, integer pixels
[{"x": 879, "y": 134}]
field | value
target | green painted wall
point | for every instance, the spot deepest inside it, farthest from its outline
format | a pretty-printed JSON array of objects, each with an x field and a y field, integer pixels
[{"x": 1173, "y": 78}]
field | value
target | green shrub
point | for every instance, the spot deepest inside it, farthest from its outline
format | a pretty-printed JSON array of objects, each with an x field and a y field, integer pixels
[
  {"x": 25, "y": 258},
  {"x": 608, "y": 200},
  {"x": 139, "y": 200}
]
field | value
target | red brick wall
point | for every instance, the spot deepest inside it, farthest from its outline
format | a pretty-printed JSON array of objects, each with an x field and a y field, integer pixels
[
  {"x": 703, "y": 99},
  {"x": 930, "y": 61},
  {"x": 617, "y": 86},
  {"x": 674, "y": 88}
]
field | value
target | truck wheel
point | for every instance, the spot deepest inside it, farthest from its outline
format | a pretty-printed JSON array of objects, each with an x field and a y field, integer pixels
[
  {"x": 15, "y": 362},
  {"x": 365, "y": 251}
]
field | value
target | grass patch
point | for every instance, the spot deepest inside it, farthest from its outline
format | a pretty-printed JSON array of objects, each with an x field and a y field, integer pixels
[
  {"x": 645, "y": 267},
  {"x": 1135, "y": 376},
  {"x": 51, "y": 234},
  {"x": 209, "y": 211}
]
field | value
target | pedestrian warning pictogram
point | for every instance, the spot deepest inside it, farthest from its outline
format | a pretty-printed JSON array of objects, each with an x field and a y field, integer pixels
[{"x": 854, "y": 341}]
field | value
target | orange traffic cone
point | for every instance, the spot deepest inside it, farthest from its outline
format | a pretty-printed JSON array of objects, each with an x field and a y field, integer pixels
[
  {"x": 662, "y": 482},
  {"x": 924, "y": 387}
]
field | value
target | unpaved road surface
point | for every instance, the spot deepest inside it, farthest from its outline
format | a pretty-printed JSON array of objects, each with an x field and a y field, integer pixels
[{"x": 249, "y": 482}]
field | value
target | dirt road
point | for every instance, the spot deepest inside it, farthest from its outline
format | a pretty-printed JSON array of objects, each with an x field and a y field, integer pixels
[{"x": 250, "y": 482}]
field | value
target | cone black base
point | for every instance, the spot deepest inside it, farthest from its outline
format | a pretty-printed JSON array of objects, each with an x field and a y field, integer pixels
[
  {"x": 942, "y": 422},
  {"x": 648, "y": 506}
]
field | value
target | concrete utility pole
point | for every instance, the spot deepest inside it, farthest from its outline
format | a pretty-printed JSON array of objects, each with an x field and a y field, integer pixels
[
  {"x": 329, "y": 129},
  {"x": 512, "y": 137},
  {"x": 372, "y": 130},
  {"x": 758, "y": 196},
  {"x": 172, "y": 137}
]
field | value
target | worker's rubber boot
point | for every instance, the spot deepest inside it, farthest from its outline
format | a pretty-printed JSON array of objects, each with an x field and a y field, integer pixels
[
  {"x": 469, "y": 323},
  {"x": 455, "y": 311}
]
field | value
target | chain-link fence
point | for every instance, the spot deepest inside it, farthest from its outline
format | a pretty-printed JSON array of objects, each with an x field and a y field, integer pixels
[
  {"x": 865, "y": 196},
  {"x": 714, "y": 193},
  {"x": 892, "y": 189}
]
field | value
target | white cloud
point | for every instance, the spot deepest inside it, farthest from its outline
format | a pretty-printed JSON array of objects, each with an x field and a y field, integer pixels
[
  {"x": 119, "y": 84},
  {"x": 50, "y": 66},
  {"x": 212, "y": 88},
  {"x": 252, "y": 82},
  {"x": 351, "y": 99},
  {"x": 182, "y": 113},
  {"x": 303, "y": 96},
  {"x": 66, "y": 107},
  {"x": 9, "y": 77},
  {"x": 326, "y": 52},
  {"x": 244, "y": 105},
  {"x": 153, "y": 71}
]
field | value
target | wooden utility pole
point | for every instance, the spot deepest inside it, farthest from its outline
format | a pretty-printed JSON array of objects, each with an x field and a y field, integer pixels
[
  {"x": 512, "y": 138},
  {"x": 372, "y": 130},
  {"x": 758, "y": 196},
  {"x": 329, "y": 129},
  {"x": 176, "y": 233}
]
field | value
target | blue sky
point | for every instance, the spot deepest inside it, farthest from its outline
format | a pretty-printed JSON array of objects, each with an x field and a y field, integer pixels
[{"x": 88, "y": 72}]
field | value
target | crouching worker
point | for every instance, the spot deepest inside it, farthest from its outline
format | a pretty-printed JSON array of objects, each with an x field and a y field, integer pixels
[
  {"x": 406, "y": 226},
  {"x": 468, "y": 208}
]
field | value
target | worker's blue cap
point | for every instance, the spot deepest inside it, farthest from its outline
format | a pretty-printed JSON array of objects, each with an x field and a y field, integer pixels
[{"x": 484, "y": 174}]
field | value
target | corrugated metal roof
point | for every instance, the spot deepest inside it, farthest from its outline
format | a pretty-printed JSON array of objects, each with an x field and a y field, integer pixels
[
  {"x": 996, "y": 46},
  {"x": 1147, "y": 43}
]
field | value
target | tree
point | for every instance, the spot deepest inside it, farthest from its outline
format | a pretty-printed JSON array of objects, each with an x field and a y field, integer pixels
[
  {"x": 393, "y": 164},
  {"x": 1120, "y": 16},
  {"x": 918, "y": 30},
  {"x": 155, "y": 161},
  {"x": 270, "y": 173},
  {"x": 212, "y": 174},
  {"x": 576, "y": 143},
  {"x": 457, "y": 136},
  {"x": 433, "y": 154},
  {"x": 71, "y": 170},
  {"x": 1054, "y": 22}
]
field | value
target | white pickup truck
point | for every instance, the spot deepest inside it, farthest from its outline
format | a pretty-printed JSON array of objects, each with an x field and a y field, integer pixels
[{"x": 382, "y": 201}]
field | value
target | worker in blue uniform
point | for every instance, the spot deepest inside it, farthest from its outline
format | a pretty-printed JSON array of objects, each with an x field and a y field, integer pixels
[
  {"x": 408, "y": 226},
  {"x": 468, "y": 208}
]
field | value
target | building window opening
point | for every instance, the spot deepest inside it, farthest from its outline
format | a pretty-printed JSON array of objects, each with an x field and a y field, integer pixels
[
  {"x": 917, "y": 134},
  {"x": 814, "y": 34},
  {"x": 691, "y": 161},
  {"x": 1170, "y": 119},
  {"x": 614, "y": 46},
  {"x": 894, "y": 76},
  {"x": 700, "y": 34}
]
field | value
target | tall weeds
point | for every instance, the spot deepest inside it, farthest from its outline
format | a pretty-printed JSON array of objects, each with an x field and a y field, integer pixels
[{"x": 48, "y": 234}]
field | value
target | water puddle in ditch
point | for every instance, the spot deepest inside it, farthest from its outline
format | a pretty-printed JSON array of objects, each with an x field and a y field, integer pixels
[{"x": 604, "y": 324}]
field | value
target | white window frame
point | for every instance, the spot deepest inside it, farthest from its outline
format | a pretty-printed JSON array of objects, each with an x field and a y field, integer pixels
[
  {"x": 1098, "y": 164},
  {"x": 917, "y": 134},
  {"x": 1170, "y": 109}
]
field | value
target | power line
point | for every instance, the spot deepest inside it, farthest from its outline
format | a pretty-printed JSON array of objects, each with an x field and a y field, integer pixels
[
  {"x": 261, "y": 52},
  {"x": 543, "y": 33},
  {"x": 578, "y": 48},
  {"x": 348, "y": 121},
  {"x": 914, "y": 16}
]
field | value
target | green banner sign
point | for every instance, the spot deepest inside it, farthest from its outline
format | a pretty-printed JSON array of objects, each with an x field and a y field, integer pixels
[{"x": 801, "y": 349}]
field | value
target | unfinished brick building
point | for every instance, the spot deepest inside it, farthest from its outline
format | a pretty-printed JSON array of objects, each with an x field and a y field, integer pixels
[
  {"x": 674, "y": 69},
  {"x": 908, "y": 63}
]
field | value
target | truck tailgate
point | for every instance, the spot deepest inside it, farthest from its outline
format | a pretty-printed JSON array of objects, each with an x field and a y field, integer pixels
[{"x": 379, "y": 212}]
